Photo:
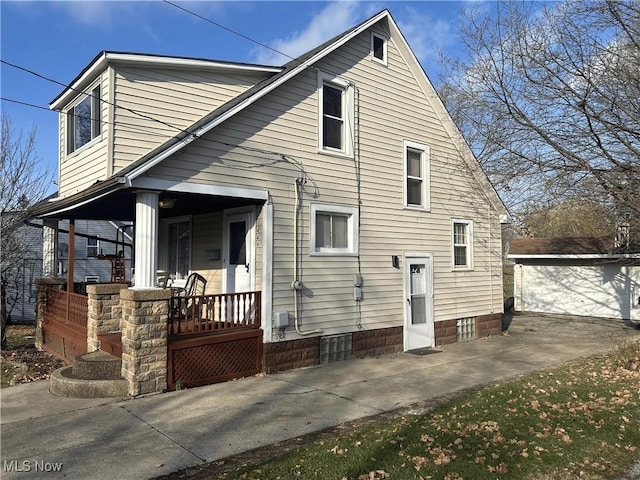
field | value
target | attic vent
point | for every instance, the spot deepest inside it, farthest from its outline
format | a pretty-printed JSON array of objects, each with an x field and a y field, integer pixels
[
  {"x": 466, "y": 329},
  {"x": 334, "y": 348}
]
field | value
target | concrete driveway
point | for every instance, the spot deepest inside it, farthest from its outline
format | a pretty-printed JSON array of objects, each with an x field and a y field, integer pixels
[{"x": 156, "y": 435}]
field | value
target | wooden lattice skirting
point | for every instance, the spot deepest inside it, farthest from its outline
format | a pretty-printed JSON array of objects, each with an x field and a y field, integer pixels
[{"x": 214, "y": 358}]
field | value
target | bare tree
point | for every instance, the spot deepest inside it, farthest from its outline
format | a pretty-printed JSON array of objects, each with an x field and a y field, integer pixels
[
  {"x": 549, "y": 101},
  {"x": 23, "y": 182}
]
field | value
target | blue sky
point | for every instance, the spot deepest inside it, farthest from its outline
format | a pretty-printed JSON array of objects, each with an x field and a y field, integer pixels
[{"x": 59, "y": 38}]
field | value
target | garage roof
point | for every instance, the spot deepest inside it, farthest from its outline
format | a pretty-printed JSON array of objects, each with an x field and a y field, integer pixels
[{"x": 569, "y": 247}]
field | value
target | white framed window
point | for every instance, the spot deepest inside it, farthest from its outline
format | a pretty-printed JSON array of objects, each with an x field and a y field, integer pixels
[
  {"x": 93, "y": 247},
  {"x": 416, "y": 176},
  {"x": 177, "y": 254},
  {"x": 462, "y": 244},
  {"x": 335, "y": 115},
  {"x": 378, "y": 48},
  {"x": 92, "y": 279},
  {"x": 83, "y": 121},
  {"x": 334, "y": 230}
]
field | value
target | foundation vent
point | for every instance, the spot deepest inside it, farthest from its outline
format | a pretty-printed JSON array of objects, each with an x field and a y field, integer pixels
[
  {"x": 334, "y": 348},
  {"x": 466, "y": 329}
]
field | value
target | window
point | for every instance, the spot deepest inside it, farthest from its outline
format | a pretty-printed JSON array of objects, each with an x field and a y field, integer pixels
[
  {"x": 462, "y": 244},
  {"x": 378, "y": 48},
  {"x": 93, "y": 247},
  {"x": 334, "y": 230},
  {"x": 335, "y": 115},
  {"x": 92, "y": 279},
  {"x": 179, "y": 248},
  {"x": 416, "y": 172},
  {"x": 83, "y": 121}
]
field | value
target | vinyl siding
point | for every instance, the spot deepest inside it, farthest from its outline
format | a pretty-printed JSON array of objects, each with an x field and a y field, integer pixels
[
  {"x": 175, "y": 98},
  {"x": 392, "y": 108},
  {"x": 88, "y": 164}
]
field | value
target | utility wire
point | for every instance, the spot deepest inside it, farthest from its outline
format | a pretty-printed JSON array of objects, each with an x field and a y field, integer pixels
[
  {"x": 52, "y": 80},
  {"x": 219, "y": 25}
]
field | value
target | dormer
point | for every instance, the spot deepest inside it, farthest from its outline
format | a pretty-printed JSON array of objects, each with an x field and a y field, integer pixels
[{"x": 123, "y": 105}]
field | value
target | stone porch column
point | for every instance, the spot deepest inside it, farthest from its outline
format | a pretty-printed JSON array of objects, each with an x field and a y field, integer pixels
[
  {"x": 42, "y": 286},
  {"x": 144, "y": 339},
  {"x": 105, "y": 312},
  {"x": 49, "y": 247},
  {"x": 146, "y": 241}
]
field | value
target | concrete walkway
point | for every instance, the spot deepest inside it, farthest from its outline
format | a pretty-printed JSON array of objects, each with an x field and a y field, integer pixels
[{"x": 155, "y": 435}]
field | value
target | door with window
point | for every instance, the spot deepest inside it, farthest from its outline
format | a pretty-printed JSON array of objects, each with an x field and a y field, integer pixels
[
  {"x": 238, "y": 253},
  {"x": 418, "y": 291}
]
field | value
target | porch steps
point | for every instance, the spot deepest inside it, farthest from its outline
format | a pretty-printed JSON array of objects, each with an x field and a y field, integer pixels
[{"x": 93, "y": 375}]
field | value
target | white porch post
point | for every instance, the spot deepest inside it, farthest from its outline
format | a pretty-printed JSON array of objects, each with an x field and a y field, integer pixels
[
  {"x": 49, "y": 247},
  {"x": 146, "y": 240}
]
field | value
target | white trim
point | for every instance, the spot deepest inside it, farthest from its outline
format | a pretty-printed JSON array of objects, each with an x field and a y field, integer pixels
[
  {"x": 385, "y": 39},
  {"x": 77, "y": 100},
  {"x": 100, "y": 64},
  {"x": 425, "y": 165},
  {"x": 267, "y": 271},
  {"x": 219, "y": 190},
  {"x": 352, "y": 230},
  {"x": 585, "y": 256},
  {"x": 250, "y": 214},
  {"x": 347, "y": 111},
  {"x": 163, "y": 239},
  {"x": 469, "y": 238},
  {"x": 258, "y": 95},
  {"x": 409, "y": 257}
]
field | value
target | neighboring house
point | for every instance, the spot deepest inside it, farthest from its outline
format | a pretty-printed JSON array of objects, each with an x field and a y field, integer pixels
[
  {"x": 93, "y": 238},
  {"x": 337, "y": 186},
  {"x": 576, "y": 276}
]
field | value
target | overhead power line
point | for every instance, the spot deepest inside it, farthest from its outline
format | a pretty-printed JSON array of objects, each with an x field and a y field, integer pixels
[
  {"x": 52, "y": 80},
  {"x": 219, "y": 25}
]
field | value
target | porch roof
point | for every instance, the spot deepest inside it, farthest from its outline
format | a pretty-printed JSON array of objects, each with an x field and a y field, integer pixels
[{"x": 112, "y": 200}]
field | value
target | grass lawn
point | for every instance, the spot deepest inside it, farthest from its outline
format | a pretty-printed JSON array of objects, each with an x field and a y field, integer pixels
[{"x": 579, "y": 421}]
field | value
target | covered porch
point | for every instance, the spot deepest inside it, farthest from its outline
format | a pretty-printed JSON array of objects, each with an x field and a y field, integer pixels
[{"x": 192, "y": 312}]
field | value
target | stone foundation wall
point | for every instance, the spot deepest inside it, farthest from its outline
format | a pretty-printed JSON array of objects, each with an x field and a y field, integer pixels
[
  {"x": 382, "y": 341},
  {"x": 104, "y": 313},
  {"x": 446, "y": 332},
  {"x": 144, "y": 339},
  {"x": 42, "y": 286},
  {"x": 281, "y": 356},
  {"x": 487, "y": 325}
]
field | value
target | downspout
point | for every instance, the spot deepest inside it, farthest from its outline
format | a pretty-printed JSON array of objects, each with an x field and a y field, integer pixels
[
  {"x": 296, "y": 284},
  {"x": 491, "y": 257}
]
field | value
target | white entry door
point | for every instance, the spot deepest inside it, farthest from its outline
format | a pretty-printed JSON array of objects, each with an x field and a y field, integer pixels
[
  {"x": 418, "y": 289},
  {"x": 238, "y": 253}
]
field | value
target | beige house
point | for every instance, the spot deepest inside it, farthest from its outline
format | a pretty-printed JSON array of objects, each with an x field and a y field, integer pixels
[{"x": 336, "y": 187}]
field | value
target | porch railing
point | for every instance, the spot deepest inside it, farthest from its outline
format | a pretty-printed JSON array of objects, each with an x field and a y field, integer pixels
[
  {"x": 57, "y": 307},
  {"x": 214, "y": 313}
]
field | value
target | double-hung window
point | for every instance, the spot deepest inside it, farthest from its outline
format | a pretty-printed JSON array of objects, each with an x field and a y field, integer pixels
[
  {"x": 93, "y": 247},
  {"x": 83, "y": 121},
  {"x": 178, "y": 248},
  {"x": 335, "y": 115},
  {"x": 416, "y": 176},
  {"x": 334, "y": 230},
  {"x": 462, "y": 244}
]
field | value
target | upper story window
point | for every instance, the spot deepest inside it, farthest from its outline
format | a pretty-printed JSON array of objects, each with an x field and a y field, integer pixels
[
  {"x": 93, "y": 247},
  {"x": 334, "y": 230},
  {"x": 83, "y": 121},
  {"x": 378, "y": 48},
  {"x": 462, "y": 231},
  {"x": 416, "y": 173},
  {"x": 335, "y": 115}
]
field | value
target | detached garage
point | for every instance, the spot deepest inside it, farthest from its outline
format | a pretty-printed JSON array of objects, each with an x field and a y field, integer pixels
[{"x": 576, "y": 276}]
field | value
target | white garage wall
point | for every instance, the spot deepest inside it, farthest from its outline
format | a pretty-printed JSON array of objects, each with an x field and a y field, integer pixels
[{"x": 609, "y": 290}]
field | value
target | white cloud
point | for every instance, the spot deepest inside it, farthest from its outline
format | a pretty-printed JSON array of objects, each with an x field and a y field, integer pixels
[
  {"x": 426, "y": 34},
  {"x": 334, "y": 19},
  {"x": 95, "y": 14}
]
